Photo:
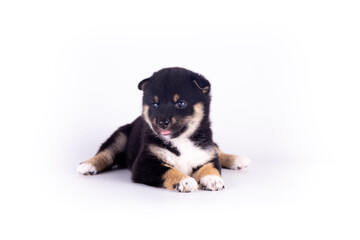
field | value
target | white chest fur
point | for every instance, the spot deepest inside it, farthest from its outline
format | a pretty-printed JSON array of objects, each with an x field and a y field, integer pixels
[{"x": 190, "y": 157}]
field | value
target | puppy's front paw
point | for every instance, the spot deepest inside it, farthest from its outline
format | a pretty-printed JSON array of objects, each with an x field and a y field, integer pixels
[
  {"x": 187, "y": 185},
  {"x": 86, "y": 169},
  {"x": 241, "y": 162},
  {"x": 212, "y": 183}
]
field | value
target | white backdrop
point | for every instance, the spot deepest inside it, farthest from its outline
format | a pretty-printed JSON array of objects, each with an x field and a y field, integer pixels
[{"x": 285, "y": 87}]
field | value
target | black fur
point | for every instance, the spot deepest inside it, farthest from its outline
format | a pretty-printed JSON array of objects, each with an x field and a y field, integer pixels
[{"x": 192, "y": 88}]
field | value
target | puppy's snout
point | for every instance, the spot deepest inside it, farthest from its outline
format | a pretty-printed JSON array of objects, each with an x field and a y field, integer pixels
[{"x": 163, "y": 123}]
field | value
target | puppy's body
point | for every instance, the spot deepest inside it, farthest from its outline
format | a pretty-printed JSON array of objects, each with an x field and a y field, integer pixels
[{"x": 171, "y": 144}]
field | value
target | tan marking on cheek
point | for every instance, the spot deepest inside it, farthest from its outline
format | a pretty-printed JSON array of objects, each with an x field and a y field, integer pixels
[
  {"x": 176, "y": 98},
  {"x": 102, "y": 160},
  {"x": 193, "y": 121},
  {"x": 172, "y": 177},
  {"x": 199, "y": 110},
  {"x": 207, "y": 169},
  {"x": 145, "y": 109},
  {"x": 226, "y": 160},
  {"x": 173, "y": 120},
  {"x": 156, "y": 99},
  {"x": 146, "y": 116},
  {"x": 197, "y": 115}
]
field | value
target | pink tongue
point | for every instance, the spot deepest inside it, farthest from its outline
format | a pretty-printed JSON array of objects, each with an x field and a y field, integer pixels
[{"x": 165, "y": 132}]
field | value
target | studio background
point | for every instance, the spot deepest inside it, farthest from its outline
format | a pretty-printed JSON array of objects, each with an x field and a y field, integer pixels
[{"x": 285, "y": 85}]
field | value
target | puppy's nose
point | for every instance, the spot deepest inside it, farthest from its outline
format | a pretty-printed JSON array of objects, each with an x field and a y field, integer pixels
[{"x": 164, "y": 123}]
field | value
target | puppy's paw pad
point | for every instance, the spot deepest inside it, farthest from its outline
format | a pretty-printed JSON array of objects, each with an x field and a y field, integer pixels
[
  {"x": 212, "y": 183},
  {"x": 241, "y": 162},
  {"x": 86, "y": 169},
  {"x": 188, "y": 184}
]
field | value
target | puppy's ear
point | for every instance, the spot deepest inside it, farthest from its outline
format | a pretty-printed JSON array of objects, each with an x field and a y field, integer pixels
[
  {"x": 202, "y": 84},
  {"x": 142, "y": 84}
]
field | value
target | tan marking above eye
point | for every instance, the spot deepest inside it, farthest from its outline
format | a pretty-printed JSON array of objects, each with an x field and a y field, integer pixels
[
  {"x": 156, "y": 98},
  {"x": 176, "y": 98}
]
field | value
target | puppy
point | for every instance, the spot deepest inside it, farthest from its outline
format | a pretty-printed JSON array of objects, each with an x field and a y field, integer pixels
[{"x": 170, "y": 145}]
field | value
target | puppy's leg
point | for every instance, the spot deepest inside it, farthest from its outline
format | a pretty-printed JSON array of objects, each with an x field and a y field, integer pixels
[
  {"x": 109, "y": 153},
  {"x": 176, "y": 180},
  {"x": 232, "y": 161},
  {"x": 96, "y": 164},
  {"x": 209, "y": 177},
  {"x": 150, "y": 170}
]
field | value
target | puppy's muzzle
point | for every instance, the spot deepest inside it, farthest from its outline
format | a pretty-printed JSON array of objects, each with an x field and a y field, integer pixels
[{"x": 163, "y": 123}]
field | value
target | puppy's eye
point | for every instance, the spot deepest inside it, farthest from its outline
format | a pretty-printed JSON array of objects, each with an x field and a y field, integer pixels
[
  {"x": 181, "y": 104},
  {"x": 155, "y": 105}
]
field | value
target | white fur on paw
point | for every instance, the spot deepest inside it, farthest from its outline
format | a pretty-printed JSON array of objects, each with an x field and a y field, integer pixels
[
  {"x": 86, "y": 169},
  {"x": 188, "y": 184},
  {"x": 241, "y": 162},
  {"x": 212, "y": 183}
]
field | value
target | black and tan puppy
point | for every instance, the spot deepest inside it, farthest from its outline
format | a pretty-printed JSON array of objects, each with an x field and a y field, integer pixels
[{"x": 171, "y": 144}]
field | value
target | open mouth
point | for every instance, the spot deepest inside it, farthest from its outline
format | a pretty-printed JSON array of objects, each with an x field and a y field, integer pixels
[{"x": 165, "y": 132}]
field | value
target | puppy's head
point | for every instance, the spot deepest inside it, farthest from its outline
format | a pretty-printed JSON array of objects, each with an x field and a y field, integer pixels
[{"x": 175, "y": 101}]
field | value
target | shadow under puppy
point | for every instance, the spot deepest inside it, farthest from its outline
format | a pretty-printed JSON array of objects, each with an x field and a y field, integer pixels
[{"x": 171, "y": 144}]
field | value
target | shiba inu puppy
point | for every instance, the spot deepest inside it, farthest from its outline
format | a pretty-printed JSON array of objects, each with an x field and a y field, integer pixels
[{"x": 170, "y": 145}]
